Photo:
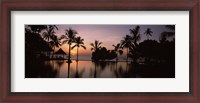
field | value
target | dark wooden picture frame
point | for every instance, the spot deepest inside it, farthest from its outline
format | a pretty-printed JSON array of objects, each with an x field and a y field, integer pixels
[{"x": 193, "y": 96}]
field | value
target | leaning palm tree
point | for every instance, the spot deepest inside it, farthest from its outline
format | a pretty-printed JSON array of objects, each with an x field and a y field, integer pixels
[
  {"x": 78, "y": 43},
  {"x": 148, "y": 32},
  {"x": 127, "y": 43},
  {"x": 96, "y": 45},
  {"x": 69, "y": 38},
  {"x": 117, "y": 50}
]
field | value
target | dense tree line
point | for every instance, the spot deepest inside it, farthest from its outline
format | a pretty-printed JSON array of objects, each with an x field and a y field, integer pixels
[
  {"x": 162, "y": 51},
  {"x": 43, "y": 38}
]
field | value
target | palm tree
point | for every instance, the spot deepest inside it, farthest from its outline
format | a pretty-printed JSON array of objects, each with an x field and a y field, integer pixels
[
  {"x": 49, "y": 34},
  {"x": 148, "y": 32},
  {"x": 127, "y": 43},
  {"x": 166, "y": 34},
  {"x": 96, "y": 45},
  {"x": 69, "y": 38},
  {"x": 135, "y": 36},
  {"x": 116, "y": 49},
  {"x": 78, "y": 43},
  {"x": 55, "y": 42}
]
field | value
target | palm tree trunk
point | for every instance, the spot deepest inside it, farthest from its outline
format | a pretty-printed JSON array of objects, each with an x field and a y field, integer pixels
[
  {"x": 116, "y": 57},
  {"x": 95, "y": 75},
  {"x": 53, "y": 55},
  {"x": 69, "y": 52},
  {"x": 127, "y": 56},
  {"x": 116, "y": 66},
  {"x": 53, "y": 51},
  {"x": 77, "y": 54},
  {"x": 76, "y": 76},
  {"x": 68, "y": 70}
]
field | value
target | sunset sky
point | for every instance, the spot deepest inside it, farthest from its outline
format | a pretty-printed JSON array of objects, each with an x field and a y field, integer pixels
[{"x": 108, "y": 34}]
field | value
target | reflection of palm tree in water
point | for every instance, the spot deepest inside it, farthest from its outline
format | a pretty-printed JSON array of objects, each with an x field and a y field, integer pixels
[
  {"x": 99, "y": 67},
  {"x": 94, "y": 73},
  {"x": 95, "y": 70},
  {"x": 76, "y": 75},
  {"x": 116, "y": 65},
  {"x": 68, "y": 68},
  {"x": 79, "y": 73},
  {"x": 118, "y": 71},
  {"x": 127, "y": 72},
  {"x": 59, "y": 63},
  {"x": 126, "y": 66}
]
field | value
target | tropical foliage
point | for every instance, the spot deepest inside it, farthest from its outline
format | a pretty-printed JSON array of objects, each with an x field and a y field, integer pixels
[
  {"x": 167, "y": 34},
  {"x": 140, "y": 52},
  {"x": 69, "y": 38},
  {"x": 96, "y": 45},
  {"x": 118, "y": 50},
  {"x": 45, "y": 36},
  {"x": 148, "y": 32},
  {"x": 103, "y": 54},
  {"x": 78, "y": 43}
]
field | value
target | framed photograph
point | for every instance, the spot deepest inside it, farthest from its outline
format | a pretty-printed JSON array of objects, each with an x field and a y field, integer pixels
[{"x": 139, "y": 51}]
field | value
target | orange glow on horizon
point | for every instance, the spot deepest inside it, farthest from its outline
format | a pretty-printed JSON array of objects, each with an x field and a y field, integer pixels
[{"x": 73, "y": 52}]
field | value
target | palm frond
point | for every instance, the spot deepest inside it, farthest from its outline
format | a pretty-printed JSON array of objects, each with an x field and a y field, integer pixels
[
  {"x": 74, "y": 46},
  {"x": 45, "y": 36},
  {"x": 92, "y": 44},
  {"x": 62, "y": 37},
  {"x": 83, "y": 46},
  {"x": 64, "y": 42}
]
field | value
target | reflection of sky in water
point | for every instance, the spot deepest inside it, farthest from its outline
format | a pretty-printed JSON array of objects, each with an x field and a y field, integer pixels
[
  {"x": 108, "y": 69},
  {"x": 87, "y": 69}
]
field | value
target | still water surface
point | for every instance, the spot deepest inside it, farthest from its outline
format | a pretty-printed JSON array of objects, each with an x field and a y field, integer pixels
[{"x": 88, "y": 69}]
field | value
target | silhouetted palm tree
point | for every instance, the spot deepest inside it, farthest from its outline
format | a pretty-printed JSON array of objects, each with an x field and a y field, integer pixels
[
  {"x": 96, "y": 45},
  {"x": 126, "y": 43},
  {"x": 148, "y": 32},
  {"x": 49, "y": 35},
  {"x": 78, "y": 43},
  {"x": 69, "y": 38},
  {"x": 116, "y": 49},
  {"x": 49, "y": 32},
  {"x": 135, "y": 36},
  {"x": 55, "y": 42},
  {"x": 166, "y": 34}
]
